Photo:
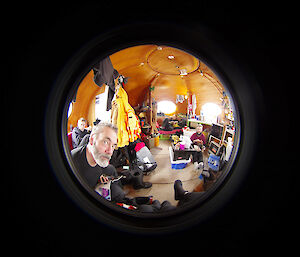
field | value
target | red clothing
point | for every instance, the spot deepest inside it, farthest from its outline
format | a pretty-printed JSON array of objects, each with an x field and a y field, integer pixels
[
  {"x": 139, "y": 146},
  {"x": 197, "y": 136}
]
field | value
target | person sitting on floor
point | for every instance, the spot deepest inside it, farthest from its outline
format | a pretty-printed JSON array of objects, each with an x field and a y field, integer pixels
[
  {"x": 166, "y": 125},
  {"x": 92, "y": 163},
  {"x": 198, "y": 142},
  {"x": 79, "y": 132}
]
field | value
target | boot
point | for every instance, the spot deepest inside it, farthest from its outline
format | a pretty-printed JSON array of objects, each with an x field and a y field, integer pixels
[
  {"x": 179, "y": 191},
  {"x": 139, "y": 200},
  {"x": 137, "y": 179}
]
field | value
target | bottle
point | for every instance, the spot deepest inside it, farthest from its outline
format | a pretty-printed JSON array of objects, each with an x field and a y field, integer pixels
[{"x": 228, "y": 149}]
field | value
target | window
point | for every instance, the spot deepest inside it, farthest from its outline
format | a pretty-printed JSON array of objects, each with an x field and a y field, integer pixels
[
  {"x": 166, "y": 107},
  {"x": 210, "y": 112},
  {"x": 70, "y": 109}
]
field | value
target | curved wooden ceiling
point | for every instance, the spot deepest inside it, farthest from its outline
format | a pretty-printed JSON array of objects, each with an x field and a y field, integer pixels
[{"x": 171, "y": 71}]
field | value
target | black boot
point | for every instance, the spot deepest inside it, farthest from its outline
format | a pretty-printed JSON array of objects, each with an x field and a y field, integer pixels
[
  {"x": 139, "y": 200},
  {"x": 179, "y": 191},
  {"x": 137, "y": 179}
]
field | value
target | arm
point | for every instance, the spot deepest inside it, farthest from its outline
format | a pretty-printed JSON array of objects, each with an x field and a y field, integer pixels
[
  {"x": 203, "y": 139},
  {"x": 195, "y": 139},
  {"x": 76, "y": 139}
]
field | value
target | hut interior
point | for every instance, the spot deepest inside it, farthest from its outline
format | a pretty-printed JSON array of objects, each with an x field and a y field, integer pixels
[{"x": 158, "y": 75}]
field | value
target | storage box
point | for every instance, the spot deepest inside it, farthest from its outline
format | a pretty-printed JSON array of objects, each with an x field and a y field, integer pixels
[
  {"x": 214, "y": 162},
  {"x": 150, "y": 142},
  {"x": 177, "y": 165}
]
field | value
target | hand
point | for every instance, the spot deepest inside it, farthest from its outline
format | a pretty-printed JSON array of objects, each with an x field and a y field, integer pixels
[
  {"x": 197, "y": 148},
  {"x": 103, "y": 179}
]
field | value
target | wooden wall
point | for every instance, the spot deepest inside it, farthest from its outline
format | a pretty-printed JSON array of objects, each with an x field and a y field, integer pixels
[{"x": 133, "y": 63}]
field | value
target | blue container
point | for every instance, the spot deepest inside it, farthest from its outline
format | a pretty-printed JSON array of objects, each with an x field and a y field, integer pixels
[
  {"x": 178, "y": 166},
  {"x": 214, "y": 162}
]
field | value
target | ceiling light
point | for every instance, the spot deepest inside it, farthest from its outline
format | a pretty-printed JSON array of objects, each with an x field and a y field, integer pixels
[
  {"x": 171, "y": 57},
  {"x": 183, "y": 72}
]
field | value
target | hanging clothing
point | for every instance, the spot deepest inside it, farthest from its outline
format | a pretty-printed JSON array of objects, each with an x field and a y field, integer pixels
[
  {"x": 124, "y": 117},
  {"x": 104, "y": 73}
]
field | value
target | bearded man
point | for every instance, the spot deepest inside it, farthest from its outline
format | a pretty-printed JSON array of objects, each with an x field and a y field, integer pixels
[{"x": 92, "y": 160}]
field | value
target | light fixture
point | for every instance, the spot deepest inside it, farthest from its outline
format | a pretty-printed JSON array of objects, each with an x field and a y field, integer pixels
[
  {"x": 171, "y": 57},
  {"x": 166, "y": 107},
  {"x": 183, "y": 72}
]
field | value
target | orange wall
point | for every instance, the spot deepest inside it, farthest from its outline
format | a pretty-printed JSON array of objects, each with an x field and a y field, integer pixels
[{"x": 85, "y": 101}]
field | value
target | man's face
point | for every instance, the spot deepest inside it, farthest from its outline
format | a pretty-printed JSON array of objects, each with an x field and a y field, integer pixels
[
  {"x": 199, "y": 129},
  {"x": 103, "y": 146},
  {"x": 81, "y": 125}
]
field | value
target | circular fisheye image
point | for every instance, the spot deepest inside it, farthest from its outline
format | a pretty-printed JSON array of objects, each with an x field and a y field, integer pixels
[{"x": 151, "y": 129}]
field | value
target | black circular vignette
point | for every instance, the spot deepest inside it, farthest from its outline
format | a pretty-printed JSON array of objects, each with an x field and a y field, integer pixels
[{"x": 40, "y": 50}]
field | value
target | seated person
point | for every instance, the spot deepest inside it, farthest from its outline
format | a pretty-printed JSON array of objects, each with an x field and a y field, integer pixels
[
  {"x": 85, "y": 139},
  {"x": 166, "y": 125},
  {"x": 182, "y": 122},
  {"x": 92, "y": 162},
  {"x": 79, "y": 132},
  {"x": 198, "y": 142}
]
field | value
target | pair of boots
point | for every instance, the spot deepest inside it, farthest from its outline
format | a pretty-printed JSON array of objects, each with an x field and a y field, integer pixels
[{"x": 135, "y": 177}]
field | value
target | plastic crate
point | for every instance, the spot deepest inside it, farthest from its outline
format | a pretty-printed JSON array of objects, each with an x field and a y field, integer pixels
[
  {"x": 214, "y": 162},
  {"x": 177, "y": 165}
]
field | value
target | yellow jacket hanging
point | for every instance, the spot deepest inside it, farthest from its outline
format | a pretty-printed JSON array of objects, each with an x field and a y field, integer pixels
[{"x": 124, "y": 117}]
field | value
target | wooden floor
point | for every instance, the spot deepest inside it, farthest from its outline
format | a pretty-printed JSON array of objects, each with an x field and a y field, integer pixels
[{"x": 163, "y": 177}]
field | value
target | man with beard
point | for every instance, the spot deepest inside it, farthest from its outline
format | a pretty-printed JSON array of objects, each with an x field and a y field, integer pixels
[{"x": 92, "y": 160}]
